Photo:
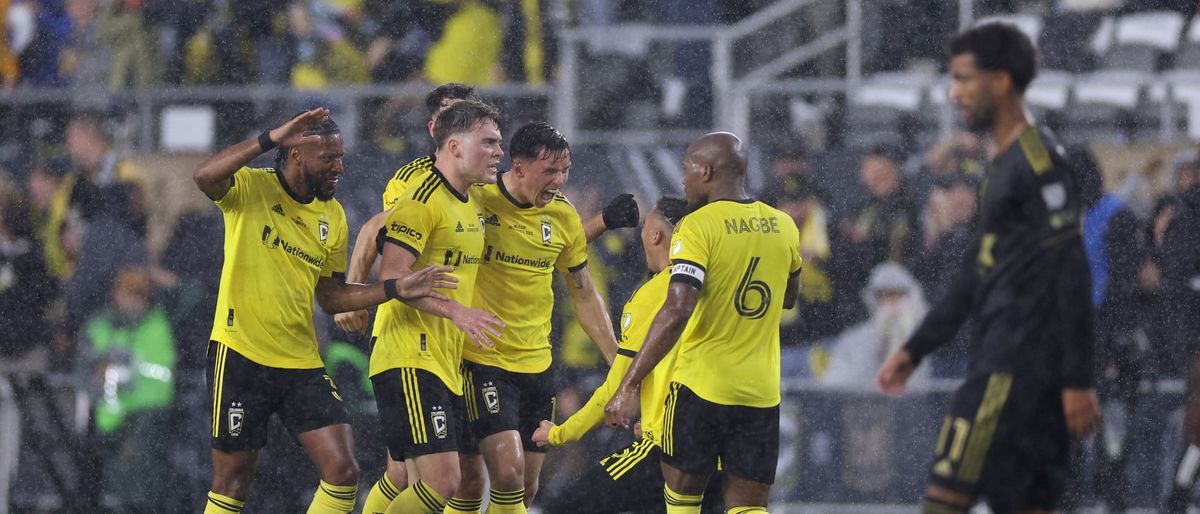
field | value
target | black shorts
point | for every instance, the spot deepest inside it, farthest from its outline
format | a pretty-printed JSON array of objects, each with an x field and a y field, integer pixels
[
  {"x": 419, "y": 414},
  {"x": 1005, "y": 442},
  {"x": 499, "y": 400},
  {"x": 628, "y": 480},
  {"x": 697, "y": 432},
  {"x": 244, "y": 395}
]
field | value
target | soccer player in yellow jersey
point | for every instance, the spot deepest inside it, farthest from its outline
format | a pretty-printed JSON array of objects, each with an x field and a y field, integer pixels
[
  {"x": 735, "y": 265},
  {"x": 285, "y": 243},
  {"x": 629, "y": 480},
  {"x": 532, "y": 231},
  {"x": 621, "y": 212},
  {"x": 417, "y": 350}
]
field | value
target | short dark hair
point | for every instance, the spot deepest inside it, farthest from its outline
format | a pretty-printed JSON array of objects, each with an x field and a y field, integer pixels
[
  {"x": 538, "y": 138},
  {"x": 461, "y": 118},
  {"x": 448, "y": 91},
  {"x": 671, "y": 208},
  {"x": 327, "y": 128},
  {"x": 999, "y": 47}
]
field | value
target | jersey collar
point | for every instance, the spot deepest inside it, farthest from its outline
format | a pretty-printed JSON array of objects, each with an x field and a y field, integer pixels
[
  {"x": 509, "y": 196},
  {"x": 288, "y": 189},
  {"x": 462, "y": 197}
]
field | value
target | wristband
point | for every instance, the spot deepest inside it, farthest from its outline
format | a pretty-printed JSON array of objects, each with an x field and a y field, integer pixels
[
  {"x": 389, "y": 288},
  {"x": 264, "y": 141}
]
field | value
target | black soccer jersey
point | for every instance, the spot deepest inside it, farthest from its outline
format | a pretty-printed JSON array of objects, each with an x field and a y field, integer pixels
[{"x": 1025, "y": 282}]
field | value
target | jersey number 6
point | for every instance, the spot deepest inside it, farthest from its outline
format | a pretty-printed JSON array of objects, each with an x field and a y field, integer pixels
[{"x": 750, "y": 290}]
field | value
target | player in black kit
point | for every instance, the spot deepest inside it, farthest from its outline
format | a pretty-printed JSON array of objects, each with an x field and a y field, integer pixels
[{"x": 1026, "y": 285}]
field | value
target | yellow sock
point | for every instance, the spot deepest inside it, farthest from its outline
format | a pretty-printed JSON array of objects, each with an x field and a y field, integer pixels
[
  {"x": 381, "y": 495},
  {"x": 678, "y": 503},
  {"x": 220, "y": 504},
  {"x": 507, "y": 502},
  {"x": 333, "y": 499},
  {"x": 417, "y": 499},
  {"x": 747, "y": 510},
  {"x": 461, "y": 506}
]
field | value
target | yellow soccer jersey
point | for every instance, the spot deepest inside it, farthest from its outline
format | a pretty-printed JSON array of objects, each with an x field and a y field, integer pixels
[
  {"x": 442, "y": 227},
  {"x": 525, "y": 245},
  {"x": 636, "y": 319},
  {"x": 276, "y": 247},
  {"x": 740, "y": 255},
  {"x": 404, "y": 178}
]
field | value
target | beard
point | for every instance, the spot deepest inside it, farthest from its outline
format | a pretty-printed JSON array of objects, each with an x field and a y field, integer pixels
[
  {"x": 320, "y": 188},
  {"x": 981, "y": 119}
]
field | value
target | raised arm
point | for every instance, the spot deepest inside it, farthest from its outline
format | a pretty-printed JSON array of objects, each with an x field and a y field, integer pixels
[
  {"x": 621, "y": 212},
  {"x": 592, "y": 314},
  {"x": 664, "y": 332},
  {"x": 214, "y": 176}
]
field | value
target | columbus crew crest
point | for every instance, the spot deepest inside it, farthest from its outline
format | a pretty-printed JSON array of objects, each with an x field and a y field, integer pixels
[
  {"x": 236, "y": 415},
  {"x": 323, "y": 230},
  {"x": 438, "y": 417},
  {"x": 546, "y": 235},
  {"x": 491, "y": 399}
]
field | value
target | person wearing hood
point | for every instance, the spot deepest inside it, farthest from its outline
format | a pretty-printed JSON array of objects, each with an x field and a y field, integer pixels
[{"x": 896, "y": 305}]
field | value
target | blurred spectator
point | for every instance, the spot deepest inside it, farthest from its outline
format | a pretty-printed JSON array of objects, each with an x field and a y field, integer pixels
[
  {"x": 948, "y": 232},
  {"x": 958, "y": 155},
  {"x": 94, "y": 165},
  {"x": 814, "y": 317},
  {"x": 407, "y": 32},
  {"x": 322, "y": 56},
  {"x": 10, "y": 71},
  {"x": 84, "y": 61},
  {"x": 896, "y": 306},
  {"x": 192, "y": 257},
  {"x": 527, "y": 53},
  {"x": 135, "y": 60},
  {"x": 26, "y": 287},
  {"x": 50, "y": 196},
  {"x": 882, "y": 228},
  {"x": 129, "y": 355},
  {"x": 469, "y": 48},
  {"x": 40, "y": 60},
  {"x": 109, "y": 244},
  {"x": 25, "y": 293}
]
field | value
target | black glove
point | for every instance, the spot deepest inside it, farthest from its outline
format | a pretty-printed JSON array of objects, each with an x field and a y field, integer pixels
[{"x": 621, "y": 212}]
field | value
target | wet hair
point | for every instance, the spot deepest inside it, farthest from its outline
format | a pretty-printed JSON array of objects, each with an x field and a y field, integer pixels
[
  {"x": 999, "y": 47},
  {"x": 536, "y": 139},
  {"x": 671, "y": 209},
  {"x": 448, "y": 91},
  {"x": 461, "y": 117},
  {"x": 327, "y": 128}
]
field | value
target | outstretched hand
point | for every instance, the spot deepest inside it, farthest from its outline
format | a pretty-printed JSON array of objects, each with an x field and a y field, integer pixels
[
  {"x": 292, "y": 132},
  {"x": 481, "y": 327},
  {"x": 424, "y": 282}
]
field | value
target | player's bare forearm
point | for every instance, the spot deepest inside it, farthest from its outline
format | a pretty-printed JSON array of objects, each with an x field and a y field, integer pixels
[
  {"x": 664, "y": 332},
  {"x": 592, "y": 314},
  {"x": 363, "y": 256},
  {"x": 213, "y": 175},
  {"x": 593, "y": 226},
  {"x": 335, "y": 296}
]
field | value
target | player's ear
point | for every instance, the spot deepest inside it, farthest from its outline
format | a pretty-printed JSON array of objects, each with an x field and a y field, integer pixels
[
  {"x": 517, "y": 169},
  {"x": 656, "y": 237},
  {"x": 294, "y": 153},
  {"x": 1002, "y": 82}
]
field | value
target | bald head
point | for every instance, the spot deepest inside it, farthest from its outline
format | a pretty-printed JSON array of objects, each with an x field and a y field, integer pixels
[
  {"x": 721, "y": 151},
  {"x": 714, "y": 167}
]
